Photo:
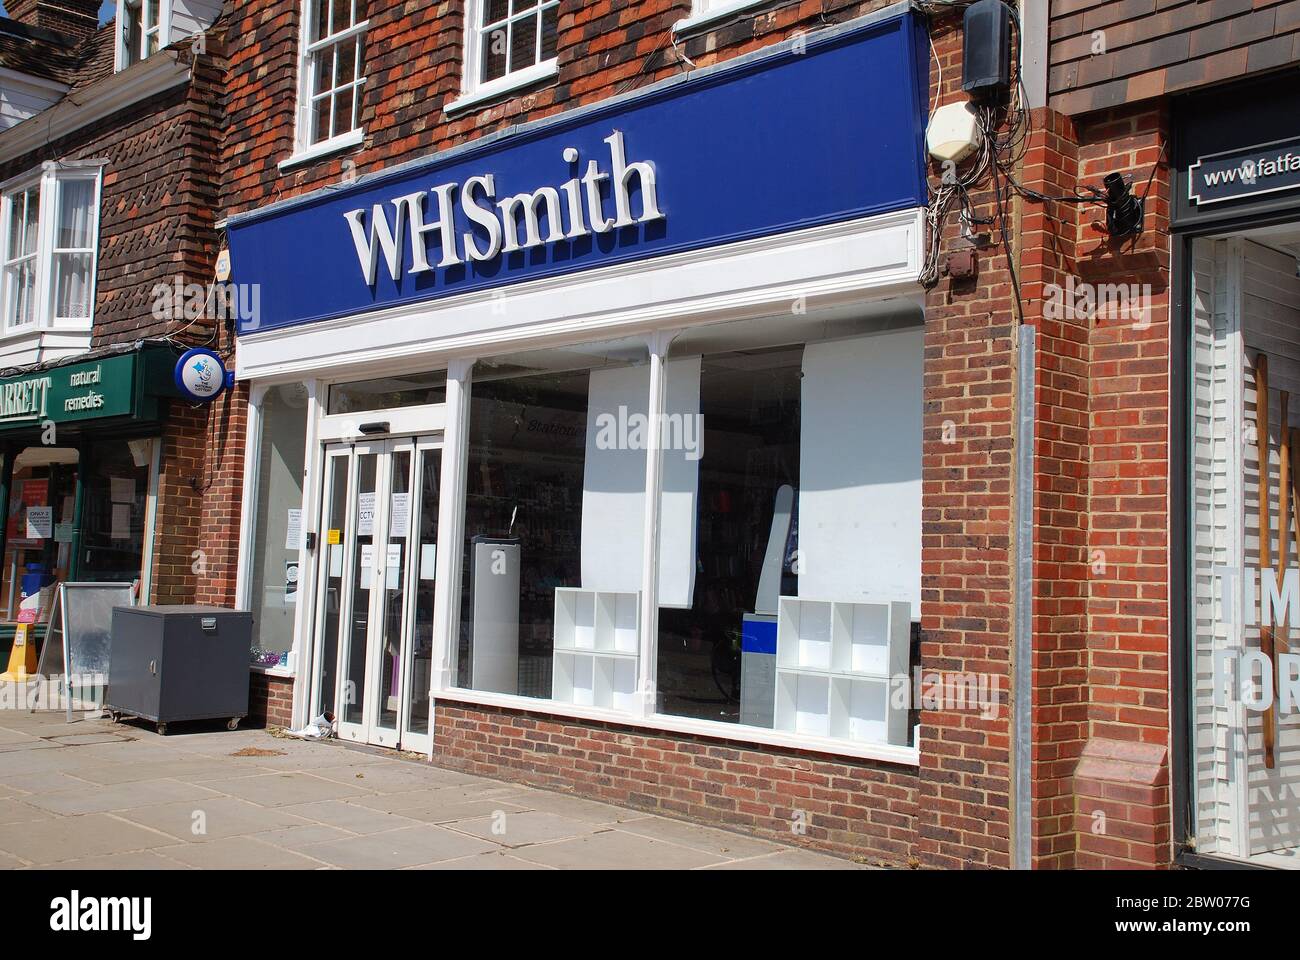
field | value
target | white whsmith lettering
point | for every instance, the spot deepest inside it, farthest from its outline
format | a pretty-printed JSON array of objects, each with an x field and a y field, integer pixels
[{"x": 506, "y": 224}]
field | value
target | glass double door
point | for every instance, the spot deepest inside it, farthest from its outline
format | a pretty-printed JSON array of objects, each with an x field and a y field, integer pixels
[{"x": 375, "y": 589}]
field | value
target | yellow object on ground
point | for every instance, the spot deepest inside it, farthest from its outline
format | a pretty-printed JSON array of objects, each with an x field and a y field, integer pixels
[{"x": 22, "y": 658}]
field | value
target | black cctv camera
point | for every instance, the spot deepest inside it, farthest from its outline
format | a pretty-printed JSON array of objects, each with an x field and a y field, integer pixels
[{"x": 1124, "y": 212}]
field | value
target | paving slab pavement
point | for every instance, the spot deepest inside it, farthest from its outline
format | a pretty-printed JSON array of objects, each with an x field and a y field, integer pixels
[{"x": 93, "y": 795}]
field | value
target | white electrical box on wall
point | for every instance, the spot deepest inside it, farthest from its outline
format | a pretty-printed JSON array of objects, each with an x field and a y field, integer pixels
[{"x": 953, "y": 134}]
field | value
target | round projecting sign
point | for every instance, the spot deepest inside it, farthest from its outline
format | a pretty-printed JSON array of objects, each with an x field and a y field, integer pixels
[{"x": 201, "y": 375}]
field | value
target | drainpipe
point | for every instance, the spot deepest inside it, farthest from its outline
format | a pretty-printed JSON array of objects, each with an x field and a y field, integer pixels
[{"x": 1022, "y": 705}]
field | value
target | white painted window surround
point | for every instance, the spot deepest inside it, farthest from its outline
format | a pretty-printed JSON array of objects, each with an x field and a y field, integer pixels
[
  {"x": 49, "y": 239},
  {"x": 331, "y": 79},
  {"x": 146, "y": 26},
  {"x": 706, "y": 12},
  {"x": 509, "y": 45}
]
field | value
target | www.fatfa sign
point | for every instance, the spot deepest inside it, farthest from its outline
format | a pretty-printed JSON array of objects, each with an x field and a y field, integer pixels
[{"x": 1249, "y": 172}]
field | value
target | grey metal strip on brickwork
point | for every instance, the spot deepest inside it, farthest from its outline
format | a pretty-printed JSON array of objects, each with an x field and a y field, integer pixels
[{"x": 1023, "y": 662}]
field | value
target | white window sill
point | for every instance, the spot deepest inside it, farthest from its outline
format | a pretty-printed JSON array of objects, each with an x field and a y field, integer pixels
[
  {"x": 35, "y": 331},
  {"x": 731, "y": 732},
  {"x": 496, "y": 89},
  {"x": 272, "y": 671},
  {"x": 316, "y": 151},
  {"x": 700, "y": 20},
  {"x": 20, "y": 332}
]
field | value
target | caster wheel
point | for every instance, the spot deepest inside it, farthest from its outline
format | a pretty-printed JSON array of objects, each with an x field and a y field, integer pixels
[
  {"x": 232, "y": 723},
  {"x": 162, "y": 729}
]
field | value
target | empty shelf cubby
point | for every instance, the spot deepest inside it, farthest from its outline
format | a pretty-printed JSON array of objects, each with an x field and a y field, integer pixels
[{"x": 836, "y": 665}]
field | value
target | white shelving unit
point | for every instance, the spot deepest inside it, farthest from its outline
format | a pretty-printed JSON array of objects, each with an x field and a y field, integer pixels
[
  {"x": 834, "y": 663},
  {"x": 597, "y": 645}
]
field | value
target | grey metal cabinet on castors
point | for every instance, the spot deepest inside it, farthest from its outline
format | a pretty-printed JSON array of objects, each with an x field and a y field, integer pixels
[{"x": 179, "y": 663}]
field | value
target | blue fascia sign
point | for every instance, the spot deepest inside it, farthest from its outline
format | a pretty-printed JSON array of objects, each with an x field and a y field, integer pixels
[
  {"x": 822, "y": 129},
  {"x": 1248, "y": 172}
]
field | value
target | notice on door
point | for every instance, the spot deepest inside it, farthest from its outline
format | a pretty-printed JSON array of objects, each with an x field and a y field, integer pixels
[
  {"x": 393, "y": 579},
  {"x": 40, "y": 523},
  {"x": 366, "y": 566},
  {"x": 121, "y": 521},
  {"x": 293, "y": 529},
  {"x": 290, "y": 582},
  {"x": 366, "y": 515},
  {"x": 399, "y": 515}
]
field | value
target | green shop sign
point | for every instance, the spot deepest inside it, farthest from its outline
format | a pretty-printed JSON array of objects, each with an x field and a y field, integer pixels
[{"x": 118, "y": 385}]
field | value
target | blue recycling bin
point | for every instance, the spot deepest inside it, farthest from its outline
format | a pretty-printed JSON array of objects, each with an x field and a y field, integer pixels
[{"x": 35, "y": 579}]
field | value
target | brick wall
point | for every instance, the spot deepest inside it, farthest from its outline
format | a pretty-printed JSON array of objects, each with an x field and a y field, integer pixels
[
  {"x": 963, "y": 810},
  {"x": 221, "y": 492},
  {"x": 954, "y": 810},
  {"x": 1047, "y": 248},
  {"x": 176, "y": 532},
  {"x": 1128, "y": 499},
  {"x": 852, "y": 808},
  {"x": 1101, "y": 518},
  {"x": 270, "y": 701}
]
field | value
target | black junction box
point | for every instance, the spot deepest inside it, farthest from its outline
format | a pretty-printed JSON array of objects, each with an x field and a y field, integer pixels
[
  {"x": 986, "y": 49},
  {"x": 179, "y": 663}
]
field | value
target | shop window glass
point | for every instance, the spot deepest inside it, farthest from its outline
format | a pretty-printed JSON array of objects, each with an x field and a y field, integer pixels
[
  {"x": 74, "y": 249},
  {"x": 554, "y": 524},
  {"x": 140, "y": 25},
  {"x": 41, "y": 529},
  {"x": 1245, "y": 545},
  {"x": 277, "y": 523},
  {"x": 48, "y": 257},
  {"x": 115, "y": 510},
  {"x": 20, "y": 267},
  {"x": 511, "y": 36},
  {"x": 38, "y": 531},
  {"x": 808, "y": 533},
  {"x": 335, "y": 66},
  {"x": 385, "y": 393}
]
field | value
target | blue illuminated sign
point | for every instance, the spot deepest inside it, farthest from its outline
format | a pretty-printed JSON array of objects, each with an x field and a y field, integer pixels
[{"x": 822, "y": 129}]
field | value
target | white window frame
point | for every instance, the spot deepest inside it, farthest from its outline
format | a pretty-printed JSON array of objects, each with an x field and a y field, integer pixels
[
  {"x": 49, "y": 178},
  {"x": 706, "y": 12},
  {"x": 475, "y": 91},
  {"x": 126, "y": 57},
  {"x": 305, "y": 149},
  {"x": 8, "y": 210}
]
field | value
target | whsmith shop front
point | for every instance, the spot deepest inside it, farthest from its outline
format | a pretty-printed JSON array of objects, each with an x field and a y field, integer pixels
[
  {"x": 459, "y": 534},
  {"x": 79, "y": 448}
]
